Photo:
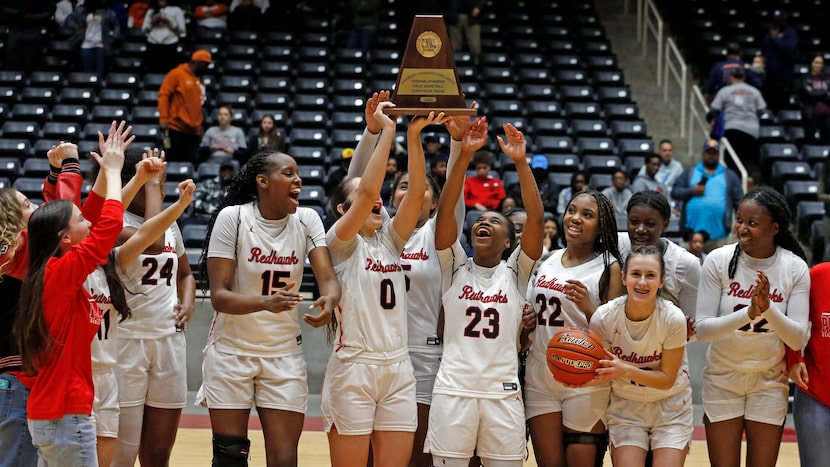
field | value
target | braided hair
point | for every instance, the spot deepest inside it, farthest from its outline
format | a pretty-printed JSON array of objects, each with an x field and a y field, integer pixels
[
  {"x": 606, "y": 242},
  {"x": 241, "y": 190},
  {"x": 776, "y": 205}
]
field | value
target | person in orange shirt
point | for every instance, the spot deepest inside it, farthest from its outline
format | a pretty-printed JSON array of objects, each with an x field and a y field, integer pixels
[{"x": 180, "y": 100}]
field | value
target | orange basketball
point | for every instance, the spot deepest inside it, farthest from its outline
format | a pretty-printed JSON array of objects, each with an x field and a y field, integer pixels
[{"x": 574, "y": 354}]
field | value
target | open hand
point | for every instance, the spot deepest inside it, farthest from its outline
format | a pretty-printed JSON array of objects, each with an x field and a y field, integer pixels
[
  {"x": 515, "y": 146},
  {"x": 373, "y": 124}
]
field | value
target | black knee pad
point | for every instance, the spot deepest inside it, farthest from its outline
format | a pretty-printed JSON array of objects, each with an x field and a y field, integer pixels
[
  {"x": 230, "y": 451},
  {"x": 599, "y": 440}
]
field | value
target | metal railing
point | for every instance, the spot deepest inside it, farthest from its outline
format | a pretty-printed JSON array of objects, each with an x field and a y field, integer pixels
[
  {"x": 726, "y": 149},
  {"x": 697, "y": 116},
  {"x": 676, "y": 68},
  {"x": 652, "y": 23}
]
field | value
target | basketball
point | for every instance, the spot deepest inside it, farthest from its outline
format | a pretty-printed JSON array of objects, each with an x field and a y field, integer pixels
[{"x": 574, "y": 354}]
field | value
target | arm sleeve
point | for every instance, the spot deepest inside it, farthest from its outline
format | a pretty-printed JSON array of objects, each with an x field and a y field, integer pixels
[
  {"x": 689, "y": 282},
  {"x": 451, "y": 259},
  {"x": 83, "y": 258},
  {"x": 166, "y": 89},
  {"x": 241, "y": 142},
  {"x": 92, "y": 207},
  {"x": 177, "y": 234},
  {"x": 340, "y": 250},
  {"x": 792, "y": 325},
  {"x": 709, "y": 324},
  {"x": 681, "y": 190},
  {"x": 223, "y": 237},
  {"x": 460, "y": 209},
  {"x": 717, "y": 103},
  {"x": 676, "y": 335},
  {"x": 314, "y": 230},
  {"x": 207, "y": 138},
  {"x": 363, "y": 153}
]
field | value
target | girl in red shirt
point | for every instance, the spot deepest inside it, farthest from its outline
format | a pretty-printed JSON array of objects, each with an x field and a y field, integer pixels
[{"x": 58, "y": 319}]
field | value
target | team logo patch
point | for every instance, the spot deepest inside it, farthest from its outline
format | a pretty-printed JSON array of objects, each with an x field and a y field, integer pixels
[{"x": 510, "y": 386}]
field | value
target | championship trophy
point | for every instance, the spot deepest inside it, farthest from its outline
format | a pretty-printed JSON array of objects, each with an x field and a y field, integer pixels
[{"x": 427, "y": 81}]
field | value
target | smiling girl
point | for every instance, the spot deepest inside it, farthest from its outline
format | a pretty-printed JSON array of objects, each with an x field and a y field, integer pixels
[
  {"x": 651, "y": 399},
  {"x": 753, "y": 302}
]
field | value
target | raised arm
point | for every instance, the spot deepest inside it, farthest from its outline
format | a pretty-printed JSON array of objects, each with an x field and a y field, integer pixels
[
  {"x": 151, "y": 163},
  {"x": 456, "y": 126},
  {"x": 363, "y": 151},
  {"x": 413, "y": 199},
  {"x": 446, "y": 232},
  {"x": 368, "y": 190},
  {"x": 155, "y": 227},
  {"x": 515, "y": 149}
]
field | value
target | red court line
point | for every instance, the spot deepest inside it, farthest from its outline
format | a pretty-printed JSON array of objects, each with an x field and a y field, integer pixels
[{"x": 316, "y": 424}]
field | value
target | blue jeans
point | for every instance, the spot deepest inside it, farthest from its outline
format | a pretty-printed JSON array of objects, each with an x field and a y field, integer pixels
[
  {"x": 94, "y": 60},
  {"x": 65, "y": 441},
  {"x": 812, "y": 426},
  {"x": 16, "y": 448}
]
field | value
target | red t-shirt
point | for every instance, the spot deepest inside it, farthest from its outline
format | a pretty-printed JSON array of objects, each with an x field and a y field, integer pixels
[
  {"x": 818, "y": 347},
  {"x": 485, "y": 191},
  {"x": 64, "y": 386}
]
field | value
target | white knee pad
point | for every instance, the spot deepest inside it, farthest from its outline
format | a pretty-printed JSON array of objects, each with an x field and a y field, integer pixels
[
  {"x": 439, "y": 461},
  {"x": 129, "y": 436},
  {"x": 499, "y": 463}
]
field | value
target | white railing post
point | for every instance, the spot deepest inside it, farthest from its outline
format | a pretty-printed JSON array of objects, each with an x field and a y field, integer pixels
[
  {"x": 697, "y": 115},
  {"x": 726, "y": 148},
  {"x": 640, "y": 19},
  {"x": 676, "y": 67},
  {"x": 653, "y": 23}
]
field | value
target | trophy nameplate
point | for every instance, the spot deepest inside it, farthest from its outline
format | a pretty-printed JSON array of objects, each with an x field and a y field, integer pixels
[{"x": 428, "y": 81}]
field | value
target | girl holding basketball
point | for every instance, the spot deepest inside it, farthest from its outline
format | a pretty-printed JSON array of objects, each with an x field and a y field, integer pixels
[
  {"x": 58, "y": 319},
  {"x": 259, "y": 241},
  {"x": 420, "y": 261},
  {"x": 369, "y": 385},
  {"x": 477, "y": 401},
  {"x": 567, "y": 425},
  {"x": 648, "y": 218},
  {"x": 753, "y": 302},
  {"x": 651, "y": 398}
]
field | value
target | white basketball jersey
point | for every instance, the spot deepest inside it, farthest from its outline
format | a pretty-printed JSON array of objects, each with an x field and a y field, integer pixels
[
  {"x": 666, "y": 329},
  {"x": 423, "y": 289},
  {"x": 754, "y": 347},
  {"x": 682, "y": 272},
  {"x": 554, "y": 310},
  {"x": 151, "y": 286},
  {"x": 268, "y": 254},
  {"x": 105, "y": 344},
  {"x": 482, "y": 323},
  {"x": 372, "y": 313}
]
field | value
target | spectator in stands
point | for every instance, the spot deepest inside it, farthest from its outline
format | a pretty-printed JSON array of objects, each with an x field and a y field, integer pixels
[
  {"x": 548, "y": 189},
  {"x": 438, "y": 170},
  {"x": 364, "y": 18},
  {"x": 337, "y": 175},
  {"x": 483, "y": 191},
  {"x": 814, "y": 93},
  {"x": 209, "y": 193},
  {"x": 710, "y": 193},
  {"x": 433, "y": 148},
  {"x": 719, "y": 78},
  {"x": 719, "y": 75},
  {"x": 94, "y": 29},
  {"x": 579, "y": 182},
  {"x": 553, "y": 239},
  {"x": 780, "y": 50},
  {"x": 648, "y": 180},
  {"x": 224, "y": 141},
  {"x": 741, "y": 105},
  {"x": 389, "y": 180},
  {"x": 670, "y": 168},
  {"x": 26, "y": 19},
  {"x": 759, "y": 68},
  {"x": 63, "y": 9},
  {"x": 163, "y": 25},
  {"x": 696, "y": 241},
  {"x": 268, "y": 138},
  {"x": 180, "y": 100},
  {"x": 507, "y": 204},
  {"x": 245, "y": 16},
  {"x": 136, "y": 13},
  {"x": 211, "y": 15},
  {"x": 619, "y": 193},
  {"x": 261, "y": 5},
  {"x": 465, "y": 18}
]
